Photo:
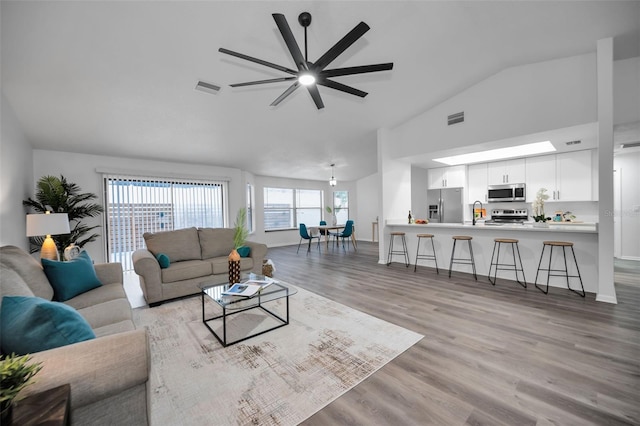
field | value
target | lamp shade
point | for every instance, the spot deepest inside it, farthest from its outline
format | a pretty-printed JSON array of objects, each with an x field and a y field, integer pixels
[{"x": 47, "y": 224}]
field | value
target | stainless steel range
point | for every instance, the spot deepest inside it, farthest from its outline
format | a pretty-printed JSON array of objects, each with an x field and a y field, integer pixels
[{"x": 508, "y": 216}]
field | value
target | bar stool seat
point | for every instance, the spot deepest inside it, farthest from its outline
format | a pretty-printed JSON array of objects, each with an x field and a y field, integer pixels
[
  {"x": 462, "y": 260},
  {"x": 497, "y": 243},
  {"x": 398, "y": 252},
  {"x": 424, "y": 255},
  {"x": 560, "y": 272}
]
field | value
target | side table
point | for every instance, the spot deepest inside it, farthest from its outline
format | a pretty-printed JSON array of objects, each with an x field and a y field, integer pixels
[{"x": 50, "y": 407}]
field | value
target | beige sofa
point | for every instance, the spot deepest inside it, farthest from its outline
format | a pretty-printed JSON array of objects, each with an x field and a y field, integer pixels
[
  {"x": 109, "y": 374},
  {"x": 196, "y": 256}
]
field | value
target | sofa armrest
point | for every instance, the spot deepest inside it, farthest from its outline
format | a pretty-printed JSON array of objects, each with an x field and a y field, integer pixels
[
  {"x": 258, "y": 253},
  {"x": 109, "y": 273},
  {"x": 96, "y": 369},
  {"x": 147, "y": 267}
]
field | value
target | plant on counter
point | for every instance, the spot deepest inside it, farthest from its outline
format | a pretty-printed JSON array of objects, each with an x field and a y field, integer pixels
[{"x": 538, "y": 205}]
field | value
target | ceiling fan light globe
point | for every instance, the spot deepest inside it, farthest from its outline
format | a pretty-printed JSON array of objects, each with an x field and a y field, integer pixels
[{"x": 306, "y": 79}]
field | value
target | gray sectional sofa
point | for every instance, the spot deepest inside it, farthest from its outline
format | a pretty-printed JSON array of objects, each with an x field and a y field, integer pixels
[
  {"x": 108, "y": 374},
  {"x": 195, "y": 256}
]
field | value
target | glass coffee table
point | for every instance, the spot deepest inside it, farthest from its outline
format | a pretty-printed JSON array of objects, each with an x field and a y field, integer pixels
[{"x": 232, "y": 305}]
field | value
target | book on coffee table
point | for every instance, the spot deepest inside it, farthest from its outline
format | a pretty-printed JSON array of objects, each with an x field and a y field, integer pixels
[{"x": 242, "y": 289}]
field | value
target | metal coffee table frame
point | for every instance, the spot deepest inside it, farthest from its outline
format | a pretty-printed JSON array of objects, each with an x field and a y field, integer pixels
[{"x": 232, "y": 305}]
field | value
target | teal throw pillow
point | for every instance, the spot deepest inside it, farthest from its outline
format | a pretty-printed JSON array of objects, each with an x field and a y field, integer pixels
[
  {"x": 163, "y": 260},
  {"x": 33, "y": 324},
  {"x": 244, "y": 251},
  {"x": 71, "y": 278}
]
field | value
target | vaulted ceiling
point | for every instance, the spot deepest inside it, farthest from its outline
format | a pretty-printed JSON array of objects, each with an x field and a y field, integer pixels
[{"x": 117, "y": 78}]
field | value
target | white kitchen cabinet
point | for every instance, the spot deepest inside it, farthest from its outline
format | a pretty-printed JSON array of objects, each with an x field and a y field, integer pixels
[
  {"x": 510, "y": 171},
  {"x": 477, "y": 187},
  {"x": 573, "y": 176},
  {"x": 566, "y": 176},
  {"x": 541, "y": 173},
  {"x": 447, "y": 177}
]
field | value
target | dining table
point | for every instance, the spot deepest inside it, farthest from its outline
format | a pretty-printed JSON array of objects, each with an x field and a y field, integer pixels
[{"x": 325, "y": 229}]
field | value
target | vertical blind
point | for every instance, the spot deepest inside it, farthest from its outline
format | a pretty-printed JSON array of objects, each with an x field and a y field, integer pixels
[{"x": 135, "y": 205}]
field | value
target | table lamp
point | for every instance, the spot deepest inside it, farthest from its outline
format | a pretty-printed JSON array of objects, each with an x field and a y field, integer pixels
[{"x": 48, "y": 224}]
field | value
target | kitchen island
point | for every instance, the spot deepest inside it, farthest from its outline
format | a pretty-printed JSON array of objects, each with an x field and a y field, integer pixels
[{"x": 530, "y": 236}]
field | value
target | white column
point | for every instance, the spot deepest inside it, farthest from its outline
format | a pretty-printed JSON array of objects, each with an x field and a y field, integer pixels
[{"x": 606, "y": 289}]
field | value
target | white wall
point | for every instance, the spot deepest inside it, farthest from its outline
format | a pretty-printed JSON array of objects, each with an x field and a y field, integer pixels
[
  {"x": 368, "y": 191},
  {"x": 81, "y": 169},
  {"x": 627, "y": 167},
  {"x": 16, "y": 179},
  {"x": 626, "y": 91},
  {"x": 517, "y": 101}
]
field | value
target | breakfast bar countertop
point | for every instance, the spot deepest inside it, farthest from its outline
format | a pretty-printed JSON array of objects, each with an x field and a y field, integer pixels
[{"x": 581, "y": 227}]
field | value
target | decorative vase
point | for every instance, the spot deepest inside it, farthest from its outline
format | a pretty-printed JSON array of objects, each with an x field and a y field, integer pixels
[
  {"x": 267, "y": 268},
  {"x": 234, "y": 267},
  {"x": 334, "y": 220}
]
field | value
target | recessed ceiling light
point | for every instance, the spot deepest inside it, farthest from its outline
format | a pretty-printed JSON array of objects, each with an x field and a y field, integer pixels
[{"x": 498, "y": 154}]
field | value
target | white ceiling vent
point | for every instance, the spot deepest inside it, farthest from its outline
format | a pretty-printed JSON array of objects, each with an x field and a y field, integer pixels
[
  {"x": 573, "y": 143},
  {"x": 207, "y": 87},
  {"x": 455, "y": 118}
]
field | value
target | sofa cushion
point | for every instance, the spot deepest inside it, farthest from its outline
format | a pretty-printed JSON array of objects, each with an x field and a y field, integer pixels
[
  {"x": 163, "y": 260},
  {"x": 12, "y": 284},
  {"x": 71, "y": 278},
  {"x": 181, "y": 244},
  {"x": 186, "y": 270},
  {"x": 106, "y": 313},
  {"x": 220, "y": 265},
  {"x": 29, "y": 269},
  {"x": 216, "y": 242},
  {"x": 98, "y": 295},
  {"x": 33, "y": 324}
]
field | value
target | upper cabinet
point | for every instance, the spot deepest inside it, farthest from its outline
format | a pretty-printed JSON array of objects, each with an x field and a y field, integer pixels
[
  {"x": 510, "y": 171},
  {"x": 477, "y": 188},
  {"x": 567, "y": 176},
  {"x": 447, "y": 177}
]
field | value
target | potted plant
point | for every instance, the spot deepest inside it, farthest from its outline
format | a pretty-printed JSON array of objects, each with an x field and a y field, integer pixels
[
  {"x": 57, "y": 195},
  {"x": 538, "y": 205},
  {"x": 16, "y": 373},
  {"x": 239, "y": 237}
]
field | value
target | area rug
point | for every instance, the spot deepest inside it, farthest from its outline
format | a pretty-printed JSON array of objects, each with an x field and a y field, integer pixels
[{"x": 278, "y": 378}]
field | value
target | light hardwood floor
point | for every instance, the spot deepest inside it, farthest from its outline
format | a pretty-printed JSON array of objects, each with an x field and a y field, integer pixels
[{"x": 499, "y": 355}]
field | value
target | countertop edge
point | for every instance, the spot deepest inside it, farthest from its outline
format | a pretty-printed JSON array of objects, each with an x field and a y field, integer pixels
[{"x": 579, "y": 228}]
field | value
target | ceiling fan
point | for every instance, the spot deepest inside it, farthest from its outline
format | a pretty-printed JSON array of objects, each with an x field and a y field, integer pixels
[{"x": 312, "y": 74}]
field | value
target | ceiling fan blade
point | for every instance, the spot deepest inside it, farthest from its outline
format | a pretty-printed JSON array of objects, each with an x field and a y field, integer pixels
[
  {"x": 315, "y": 95},
  {"x": 342, "y": 45},
  {"x": 271, "y": 80},
  {"x": 286, "y": 93},
  {"x": 287, "y": 35},
  {"x": 257, "y": 61},
  {"x": 357, "y": 70},
  {"x": 342, "y": 87}
]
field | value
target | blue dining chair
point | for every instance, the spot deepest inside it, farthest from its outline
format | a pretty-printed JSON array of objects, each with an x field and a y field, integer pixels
[
  {"x": 304, "y": 235},
  {"x": 346, "y": 233}
]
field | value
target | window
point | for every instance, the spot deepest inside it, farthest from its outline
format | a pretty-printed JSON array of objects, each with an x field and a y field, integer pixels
[
  {"x": 286, "y": 208},
  {"x": 137, "y": 205},
  {"x": 341, "y": 206}
]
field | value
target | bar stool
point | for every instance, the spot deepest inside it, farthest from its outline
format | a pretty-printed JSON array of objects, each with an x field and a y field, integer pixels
[
  {"x": 507, "y": 266},
  {"x": 398, "y": 252},
  {"x": 463, "y": 261},
  {"x": 425, "y": 256},
  {"x": 564, "y": 272}
]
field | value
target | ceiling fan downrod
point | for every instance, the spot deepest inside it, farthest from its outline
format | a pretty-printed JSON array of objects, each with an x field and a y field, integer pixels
[{"x": 305, "y": 20}]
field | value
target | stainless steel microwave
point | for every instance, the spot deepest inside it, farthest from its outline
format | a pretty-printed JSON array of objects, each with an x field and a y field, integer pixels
[{"x": 506, "y": 193}]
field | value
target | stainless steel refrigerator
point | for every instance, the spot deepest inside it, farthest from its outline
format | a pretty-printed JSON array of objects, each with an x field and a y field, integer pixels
[{"x": 445, "y": 205}]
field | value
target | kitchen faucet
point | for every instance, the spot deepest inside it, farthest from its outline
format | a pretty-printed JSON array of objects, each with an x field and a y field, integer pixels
[{"x": 473, "y": 211}]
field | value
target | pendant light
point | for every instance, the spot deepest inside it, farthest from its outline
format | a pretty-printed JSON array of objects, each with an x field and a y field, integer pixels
[{"x": 333, "y": 181}]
